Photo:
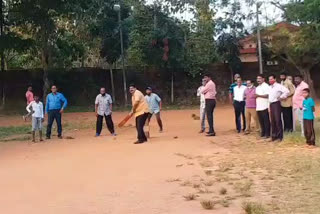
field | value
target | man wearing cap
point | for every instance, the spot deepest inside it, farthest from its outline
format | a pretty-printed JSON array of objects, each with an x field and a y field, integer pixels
[{"x": 155, "y": 105}]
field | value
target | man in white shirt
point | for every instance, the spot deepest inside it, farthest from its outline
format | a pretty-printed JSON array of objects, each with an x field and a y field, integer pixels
[
  {"x": 277, "y": 93},
  {"x": 262, "y": 94},
  {"x": 36, "y": 108},
  {"x": 239, "y": 104},
  {"x": 202, "y": 107},
  {"x": 103, "y": 108}
]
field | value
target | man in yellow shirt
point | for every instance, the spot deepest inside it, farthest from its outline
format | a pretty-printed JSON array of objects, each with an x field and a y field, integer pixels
[
  {"x": 286, "y": 105},
  {"x": 140, "y": 110}
]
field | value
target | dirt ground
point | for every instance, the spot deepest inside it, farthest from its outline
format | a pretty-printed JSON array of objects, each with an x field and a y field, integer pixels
[{"x": 173, "y": 173}]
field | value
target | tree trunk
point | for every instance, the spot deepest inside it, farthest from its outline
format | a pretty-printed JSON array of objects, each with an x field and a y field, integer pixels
[
  {"x": 305, "y": 72},
  {"x": 45, "y": 65},
  {"x": 172, "y": 88},
  {"x": 112, "y": 84},
  {"x": 3, "y": 83},
  {"x": 2, "y": 67}
]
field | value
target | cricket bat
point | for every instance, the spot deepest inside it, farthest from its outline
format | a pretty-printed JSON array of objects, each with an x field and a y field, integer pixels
[{"x": 124, "y": 121}]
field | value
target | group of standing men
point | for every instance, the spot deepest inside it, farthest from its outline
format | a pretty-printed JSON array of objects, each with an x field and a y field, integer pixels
[{"x": 275, "y": 107}]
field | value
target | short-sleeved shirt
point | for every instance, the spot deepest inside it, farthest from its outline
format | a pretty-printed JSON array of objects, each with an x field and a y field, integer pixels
[
  {"x": 262, "y": 103},
  {"x": 298, "y": 95},
  {"x": 142, "y": 103},
  {"x": 154, "y": 103},
  {"x": 231, "y": 88},
  {"x": 103, "y": 103},
  {"x": 29, "y": 97},
  {"x": 251, "y": 97},
  {"x": 308, "y": 105},
  {"x": 238, "y": 93}
]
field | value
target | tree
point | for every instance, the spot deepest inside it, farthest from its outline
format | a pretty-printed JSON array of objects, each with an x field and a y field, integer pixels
[
  {"x": 45, "y": 21},
  {"x": 152, "y": 45},
  {"x": 200, "y": 45},
  {"x": 231, "y": 30},
  {"x": 300, "y": 45},
  {"x": 107, "y": 29},
  {"x": 11, "y": 44}
]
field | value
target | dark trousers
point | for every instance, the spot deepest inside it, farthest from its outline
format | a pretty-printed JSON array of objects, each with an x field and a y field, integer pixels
[
  {"x": 239, "y": 109},
  {"x": 140, "y": 122},
  {"x": 276, "y": 121},
  {"x": 309, "y": 132},
  {"x": 287, "y": 118},
  {"x": 54, "y": 115},
  {"x": 159, "y": 121},
  {"x": 210, "y": 106},
  {"x": 109, "y": 123},
  {"x": 264, "y": 121}
]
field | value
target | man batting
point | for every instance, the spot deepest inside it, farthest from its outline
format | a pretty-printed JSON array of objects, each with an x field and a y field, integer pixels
[{"x": 140, "y": 110}]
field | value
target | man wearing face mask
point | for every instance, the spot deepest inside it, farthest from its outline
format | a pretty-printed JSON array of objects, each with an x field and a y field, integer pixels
[
  {"x": 277, "y": 94},
  {"x": 103, "y": 108},
  {"x": 251, "y": 104}
]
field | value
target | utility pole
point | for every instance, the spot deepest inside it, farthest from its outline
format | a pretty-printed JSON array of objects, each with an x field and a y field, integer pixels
[
  {"x": 259, "y": 40},
  {"x": 118, "y": 9}
]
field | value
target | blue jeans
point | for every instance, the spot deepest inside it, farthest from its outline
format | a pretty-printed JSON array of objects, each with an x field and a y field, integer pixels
[{"x": 54, "y": 115}]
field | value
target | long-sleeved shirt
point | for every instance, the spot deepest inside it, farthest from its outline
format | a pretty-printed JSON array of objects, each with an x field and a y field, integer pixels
[
  {"x": 37, "y": 109},
  {"x": 277, "y": 92},
  {"x": 209, "y": 90},
  {"x": 289, "y": 85},
  {"x": 56, "y": 102},
  {"x": 29, "y": 97},
  {"x": 298, "y": 97},
  {"x": 202, "y": 99}
]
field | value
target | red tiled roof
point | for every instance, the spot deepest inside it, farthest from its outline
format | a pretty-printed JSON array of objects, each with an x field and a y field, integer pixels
[{"x": 248, "y": 51}]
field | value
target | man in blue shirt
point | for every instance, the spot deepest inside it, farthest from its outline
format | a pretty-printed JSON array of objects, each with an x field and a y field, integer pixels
[
  {"x": 55, "y": 105},
  {"x": 155, "y": 104}
]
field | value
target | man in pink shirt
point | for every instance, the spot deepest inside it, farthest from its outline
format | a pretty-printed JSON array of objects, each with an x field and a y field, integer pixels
[
  {"x": 251, "y": 105},
  {"x": 297, "y": 101},
  {"x": 209, "y": 91},
  {"x": 29, "y": 98}
]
